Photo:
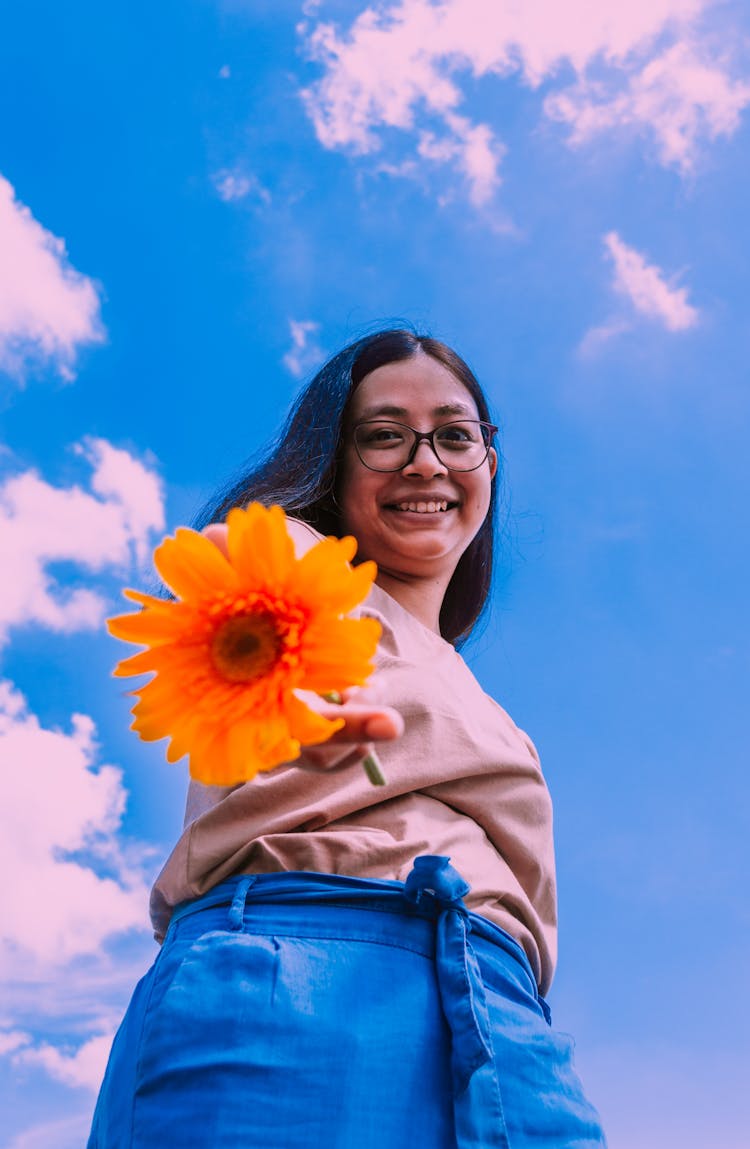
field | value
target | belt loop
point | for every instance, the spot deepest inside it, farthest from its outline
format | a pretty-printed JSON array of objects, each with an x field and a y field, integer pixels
[{"x": 237, "y": 908}]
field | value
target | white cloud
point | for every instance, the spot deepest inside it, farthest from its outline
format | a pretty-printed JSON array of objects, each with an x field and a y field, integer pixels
[
  {"x": 480, "y": 157},
  {"x": 60, "y": 1016},
  {"x": 305, "y": 352},
  {"x": 474, "y": 149},
  {"x": 405, "y": 69},
  {"x": 233, "y": 184},
  {"x": 80, "y": 1068},
  {"x": 644, "y": 286},
  {"x": 127, "y": 483},
  {"x": 106, "y": 528},
  {"x": 597, "y": 337},
  {"x": 48, "y": 310},
  {"x": 681, "y": 96},
  {"x": 645, "y": 291},
  {"x": 60, "y": 838},
  {"x": 12, "y": 1040},
  {"x": 60, "y": 814},
  {"x": 68, "y": 964}
]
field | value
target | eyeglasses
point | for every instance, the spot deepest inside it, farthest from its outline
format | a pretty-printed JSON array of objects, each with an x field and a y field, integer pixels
[{"x": 461, "y": 445}]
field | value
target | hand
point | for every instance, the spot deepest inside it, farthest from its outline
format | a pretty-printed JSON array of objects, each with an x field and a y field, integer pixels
[
  {"x": 217, "y": 533},
  {"x": 366, "y": 723}
]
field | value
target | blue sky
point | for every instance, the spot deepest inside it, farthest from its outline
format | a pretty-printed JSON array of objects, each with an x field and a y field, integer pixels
[{"x": 199, "y": 201}]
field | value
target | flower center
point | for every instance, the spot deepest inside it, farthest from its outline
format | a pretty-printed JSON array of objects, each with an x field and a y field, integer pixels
[{"x": 245, "y": 647}]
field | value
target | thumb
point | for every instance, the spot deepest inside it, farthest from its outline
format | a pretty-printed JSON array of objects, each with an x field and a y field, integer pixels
[{"x": 217, "y": 534}]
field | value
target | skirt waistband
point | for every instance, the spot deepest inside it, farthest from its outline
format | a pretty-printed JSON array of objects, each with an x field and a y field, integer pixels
[{"x": 432, "y": 887}]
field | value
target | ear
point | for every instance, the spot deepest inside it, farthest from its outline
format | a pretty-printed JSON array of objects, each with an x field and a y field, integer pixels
[{"x": 492, "y": 456}]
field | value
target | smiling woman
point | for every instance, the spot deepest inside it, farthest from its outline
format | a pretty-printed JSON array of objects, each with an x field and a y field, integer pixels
[
  {"x": 415, "y": 498},
  {"x": 327, "y": 976}
]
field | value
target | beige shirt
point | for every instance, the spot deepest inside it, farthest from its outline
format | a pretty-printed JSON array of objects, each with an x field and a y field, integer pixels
[{"x": 463, "y": 780}]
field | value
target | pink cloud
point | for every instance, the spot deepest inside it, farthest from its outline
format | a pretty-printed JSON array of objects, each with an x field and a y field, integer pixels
[
  {"x": 405, "y": 66},
  {"x": 80, "y": 1068},
  {"x": 12, "y": 1040},
  {"x": 106, "y": 528},
  {"x": 646, "y": 288},
  {"x": 647, "y": 293},
  {"x": 61, "y": 812},
  {"x": 48, "y": 310},
  {"x": 235, "y": 184},
  {"x": 305, "y": 352},
  {"x": 125, "y": 482},
  {"x": 57, "y": 805},
  {"x": 680, "y": 97}
]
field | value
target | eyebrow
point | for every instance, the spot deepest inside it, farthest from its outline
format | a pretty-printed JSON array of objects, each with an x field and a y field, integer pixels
[{"x": 391, "y": 409}]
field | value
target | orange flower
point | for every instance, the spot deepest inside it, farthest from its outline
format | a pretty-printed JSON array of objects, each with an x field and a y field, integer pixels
[{"x": 243, "y": 634}]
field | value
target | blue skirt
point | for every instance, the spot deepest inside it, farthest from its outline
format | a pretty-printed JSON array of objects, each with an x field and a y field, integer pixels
[{"x": 297, "y": 1010}]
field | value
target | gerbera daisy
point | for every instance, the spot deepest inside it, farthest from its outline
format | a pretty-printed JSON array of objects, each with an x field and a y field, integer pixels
[{"x": 243, "y": 633}]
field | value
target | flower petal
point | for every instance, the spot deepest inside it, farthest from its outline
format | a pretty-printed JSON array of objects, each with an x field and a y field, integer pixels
[
  {"x": 179, "y": 746},
  {"x": 339, "y": 654},
  {"x": 149, "y": 600},
  {"x": 237, "y": 754},
  {"x": 142, "y": 663},
  {"x": 269, "y": 741},
  {"x": 208, "y": 757},
  {"x": 309, "y": 727},
  {"x": 152, "y": 627},
  {"x": 260, "y": 547},
  {"x": 193, "y": 566},
  {"x": 325, "y": 577}
]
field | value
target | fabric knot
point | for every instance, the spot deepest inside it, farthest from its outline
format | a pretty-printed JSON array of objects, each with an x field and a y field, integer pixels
[
  {"x": 477, "y": 1105},
  {"x": 434, "y": 878}
]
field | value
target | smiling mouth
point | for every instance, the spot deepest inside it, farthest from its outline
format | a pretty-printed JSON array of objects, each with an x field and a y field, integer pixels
[{"x": 423, "y": 506}]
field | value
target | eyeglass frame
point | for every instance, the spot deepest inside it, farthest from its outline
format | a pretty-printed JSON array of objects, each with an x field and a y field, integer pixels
[{"x": 424, "y": 436}]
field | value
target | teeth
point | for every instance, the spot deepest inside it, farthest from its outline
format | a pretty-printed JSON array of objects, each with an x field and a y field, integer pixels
[{"x": 424, "y": 508}]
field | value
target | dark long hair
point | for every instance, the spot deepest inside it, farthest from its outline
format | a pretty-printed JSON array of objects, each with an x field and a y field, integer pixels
[{"x": 299, "y": 469}]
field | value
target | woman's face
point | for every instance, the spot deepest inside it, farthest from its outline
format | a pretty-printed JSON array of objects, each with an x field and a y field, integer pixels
[{"x": 420, "y": 542}]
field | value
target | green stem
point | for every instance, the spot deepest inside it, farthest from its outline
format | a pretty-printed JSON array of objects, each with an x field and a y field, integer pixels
[
  {"x": 373, "y": 771},
  {"x": 370, "y": 762}
]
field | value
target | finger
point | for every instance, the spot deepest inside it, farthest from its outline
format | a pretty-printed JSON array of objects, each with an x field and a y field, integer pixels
[
  {"x": 217, "y": 533},
  {"x": 370, "y": 694},
  {"x": 341, "y": 702},
  {"x": 365, "y": 723}
]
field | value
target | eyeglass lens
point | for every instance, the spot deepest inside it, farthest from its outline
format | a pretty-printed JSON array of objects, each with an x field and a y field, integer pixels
[{"x": 385, "y": 446}]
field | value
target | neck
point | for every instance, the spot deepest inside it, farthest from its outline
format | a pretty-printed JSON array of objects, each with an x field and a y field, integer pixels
[{"x": 422, "y": 597}]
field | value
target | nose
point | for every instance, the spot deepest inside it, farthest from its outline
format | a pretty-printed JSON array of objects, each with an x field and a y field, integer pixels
[{"x": 425, "y": 463}]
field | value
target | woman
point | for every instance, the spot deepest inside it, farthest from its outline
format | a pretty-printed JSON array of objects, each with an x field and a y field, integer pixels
[{"x": 346, "y": 966}]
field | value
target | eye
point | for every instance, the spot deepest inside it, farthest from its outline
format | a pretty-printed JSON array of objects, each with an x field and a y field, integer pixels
[
  {"x": 380, "y": 435},
  {"x": 457, "y": 436}
]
